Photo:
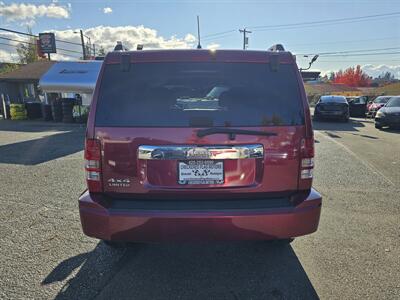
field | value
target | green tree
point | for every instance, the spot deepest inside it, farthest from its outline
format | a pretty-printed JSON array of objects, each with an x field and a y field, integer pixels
[
  {"x": 388, "y": 76},
  {"x": 27, "y": 52},
  {"x": 5, "y": 68},
  {"x": 101, "y": 51}
]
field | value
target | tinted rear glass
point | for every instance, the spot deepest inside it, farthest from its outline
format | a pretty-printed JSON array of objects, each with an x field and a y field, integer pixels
[
  {"x": 199, "y": 95},
  {"x": 394, "y": 102},
  {"x": 381, "y": 99},
  {"x": 327, "y": 99}
]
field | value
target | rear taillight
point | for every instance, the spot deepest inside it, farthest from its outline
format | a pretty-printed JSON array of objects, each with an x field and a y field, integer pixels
[
  {"x": 306, "y": 163},
  {"x": 93, "y": 165}
]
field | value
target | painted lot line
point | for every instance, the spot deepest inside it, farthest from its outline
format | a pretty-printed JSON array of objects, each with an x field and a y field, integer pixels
[{"x": 373, "y": 169}]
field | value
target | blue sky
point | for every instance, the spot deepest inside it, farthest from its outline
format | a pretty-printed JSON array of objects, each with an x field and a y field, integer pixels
[{"x": 178, "y": 18}]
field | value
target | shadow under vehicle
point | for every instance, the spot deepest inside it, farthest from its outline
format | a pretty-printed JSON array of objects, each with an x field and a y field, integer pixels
[{"x": 224, "y": 270}]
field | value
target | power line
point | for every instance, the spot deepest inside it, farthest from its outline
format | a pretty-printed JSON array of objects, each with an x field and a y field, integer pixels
[
  {"x": 346, "y": 41},
  {"x": 362, "y": 54},
  {"x": 226, "y": 33},
  {"x": 7, "y": 44},
  {"x": 358, "y": 61},
  {"x": 36, "y": 36},
  {"x": 19, "y": 32},
  {"x": 16, "y": 46},
  {"x": 350, "y": 51},
  {"x": 29, "y": 43},
  {"x": 219, "y": 33},
  {"x": 219, "y": 37},
  {"x": 353, "y": 19}
]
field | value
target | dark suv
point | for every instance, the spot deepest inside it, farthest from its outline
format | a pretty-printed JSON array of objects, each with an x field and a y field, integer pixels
[
  {"x": 199, "y": 145},
  {"x": 332, "y": 107}
]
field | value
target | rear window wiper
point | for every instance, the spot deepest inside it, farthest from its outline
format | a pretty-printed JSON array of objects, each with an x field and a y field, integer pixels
[{"x": 232, "y": 132}]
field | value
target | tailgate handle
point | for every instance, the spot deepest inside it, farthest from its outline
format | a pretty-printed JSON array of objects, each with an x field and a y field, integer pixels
[{"x": 200, "y": 152}]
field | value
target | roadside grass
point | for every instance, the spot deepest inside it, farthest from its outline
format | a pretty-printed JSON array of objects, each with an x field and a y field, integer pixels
[{"x": 390, "y": 89}]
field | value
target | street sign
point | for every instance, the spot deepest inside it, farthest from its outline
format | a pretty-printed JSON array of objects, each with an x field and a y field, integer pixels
[{"x": 47, "y": 42}]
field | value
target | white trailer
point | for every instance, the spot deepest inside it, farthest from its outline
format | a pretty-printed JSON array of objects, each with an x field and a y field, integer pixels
[{"x": 72, "y": 77}]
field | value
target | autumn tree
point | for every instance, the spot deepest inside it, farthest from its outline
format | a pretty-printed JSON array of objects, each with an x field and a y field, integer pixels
[{"x": 352, "y": 77}]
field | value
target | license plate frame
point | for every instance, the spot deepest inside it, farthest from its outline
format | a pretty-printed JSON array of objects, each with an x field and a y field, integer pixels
[{"x": 209, "y": 172}]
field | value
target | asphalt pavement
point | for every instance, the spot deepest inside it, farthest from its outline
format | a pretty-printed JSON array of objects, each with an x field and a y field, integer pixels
[{"x": 355, "y": 254}]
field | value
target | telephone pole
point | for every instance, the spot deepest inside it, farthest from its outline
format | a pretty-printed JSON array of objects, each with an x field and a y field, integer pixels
[
  {"x": 245, "y": 38},
  {"x": 83, "y": 45}
]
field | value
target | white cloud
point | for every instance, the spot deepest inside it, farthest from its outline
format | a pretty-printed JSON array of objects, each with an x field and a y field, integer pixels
[
  {"x": 8, "y": 56},
  {"x": 131, "y": 36},
  {"x": 375, "y": 71},
  {"x": 29, "y": 12},
  {"x": 106, "y": 37},
  {"x": 213, "y": 46},
  {"x": 107, "y": 10},
  {"x": 9, "y": 53}
]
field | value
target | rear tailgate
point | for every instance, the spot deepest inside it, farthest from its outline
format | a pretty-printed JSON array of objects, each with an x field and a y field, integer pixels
[
  {"x": 274, "y": 169},
  {"x": 148, "y": 115}
]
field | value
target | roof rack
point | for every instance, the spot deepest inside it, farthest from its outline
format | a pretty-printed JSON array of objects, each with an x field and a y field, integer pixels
[
  {"x": 276, "y": 48},
  {"x": 120, "y": 47}
]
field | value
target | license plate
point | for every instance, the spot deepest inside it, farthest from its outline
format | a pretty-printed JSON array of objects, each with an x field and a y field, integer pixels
[{"x": 201, "y": 172}]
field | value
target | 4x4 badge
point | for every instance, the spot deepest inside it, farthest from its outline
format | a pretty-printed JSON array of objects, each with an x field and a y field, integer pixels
[{"x": 125, "y": 182}]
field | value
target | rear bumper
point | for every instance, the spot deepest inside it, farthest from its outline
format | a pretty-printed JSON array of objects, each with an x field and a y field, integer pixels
[
  {"x": 151, "y": 225},
  {"x": 331, "y": 114}
]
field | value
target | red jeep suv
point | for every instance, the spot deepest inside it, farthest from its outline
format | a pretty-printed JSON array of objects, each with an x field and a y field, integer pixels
[{"x": 199, "y": 145}]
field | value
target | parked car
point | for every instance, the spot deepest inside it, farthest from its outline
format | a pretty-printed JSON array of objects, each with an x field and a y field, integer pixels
[
  {"x": 389, "y": 115},
  {"x": 199, "y": 145},
  {"x": 357, "y": 106},
  {"x": 376, "y": 104},
  {"x": 332, "y": 107}
]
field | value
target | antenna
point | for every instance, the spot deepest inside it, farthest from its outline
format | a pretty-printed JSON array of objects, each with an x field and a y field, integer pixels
[{"x": 198, "y": 33}]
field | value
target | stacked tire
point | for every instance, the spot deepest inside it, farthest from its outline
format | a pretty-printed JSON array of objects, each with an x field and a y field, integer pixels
[
  {"x": 34, "y": 110},
  {"x": 18, "y": 112},
  {"x": 67, "y": 107},
  {"x": 46, "y": 112},
  {"x": 80, "y": 113},
  {"x": 56, "y": 111}
]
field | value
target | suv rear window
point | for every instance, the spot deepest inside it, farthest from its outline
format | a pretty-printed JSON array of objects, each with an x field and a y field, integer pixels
[
  {"x": 336, "y": 99},
  {"x": 199, "y": 95}
]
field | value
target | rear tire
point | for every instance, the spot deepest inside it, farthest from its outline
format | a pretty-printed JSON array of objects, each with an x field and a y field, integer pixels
[{"x": 378, "y": 126}]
